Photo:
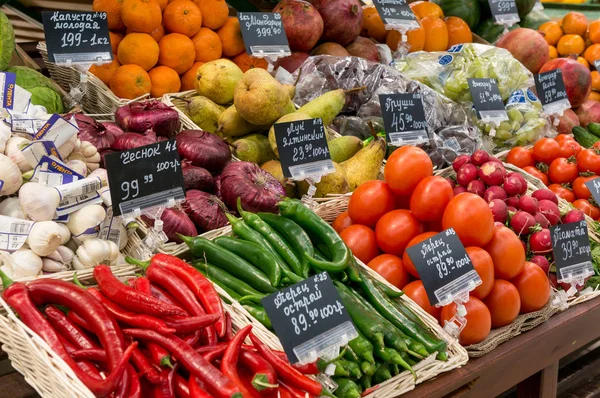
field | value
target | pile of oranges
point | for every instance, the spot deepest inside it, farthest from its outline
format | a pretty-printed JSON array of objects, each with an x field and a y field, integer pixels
[
  {"x": 576, "y": 38},
  {"x": 159, "y": 45}
]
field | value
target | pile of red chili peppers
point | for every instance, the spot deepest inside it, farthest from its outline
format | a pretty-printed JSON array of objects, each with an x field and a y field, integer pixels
[{"x": 162, "y": 335}]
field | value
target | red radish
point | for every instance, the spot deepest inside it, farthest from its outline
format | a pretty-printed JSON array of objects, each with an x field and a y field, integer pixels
[
  {"x": 494, "y": 159},
  {"x": 522, "y": 179},
  {"x": 459, "y": 189},
  {"x": 477, "y": 187},
  {"x": 540, "y": 242},
  {"x": 512, "y": 209},
  {"x": 542, "y": 220},
  {"x": 494, "y": 192},
  {"x": 542, "y": 262},
  {"x": 573, "y": 216},
  {"x": 528, "y": 204},
  {"x": 550, "y": 211},
  {"x": 452, "y": 181},
  {"x": 498, "y": 224},
  {"x": 480, "y": 157},
  {"x": 513, "y": 201},
  {"x": 492, "y": 173},
  {"x": 466, "y": 174},
  {"x": 460, "y": 161},
  {"x": 512, "y": 185},
  {"x": 521, "y": 222},
  {"x": 545, "y": 194},
  {"x": 554, "y": 280},
  {"x": 499, "y": 210}
]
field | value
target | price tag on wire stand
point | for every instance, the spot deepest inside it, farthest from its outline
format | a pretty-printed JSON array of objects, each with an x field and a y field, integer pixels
[
  {"x": 487, "y": 100},
  {"x": 404, "y": 119},
  {"x": 572, "y": 253},
  {"x": 74, "y": 37},
  {"x": 264, "y": 34},
  {"x": 551, "y": 91},
  {"x": 594, "y": 187},
  {"x": 396, "y": 14},
  {"x": 505, "y": 12},
  {"x": 310, "y": 319}
]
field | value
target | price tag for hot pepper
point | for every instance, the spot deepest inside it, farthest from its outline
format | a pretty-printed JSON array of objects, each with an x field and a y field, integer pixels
[
  {"x": 571, "y": 249},
  {"x": 264, "y": 34},
  {"x": 551, "y": 91},
  {"x": 146, "y": 177},
  {"x": 310, "y": 319},
  {"x": 445, "y": 267},
  {"x": 404, "y": 118},
  {"x": 303, "y": 149},
  {"x": 487, "y": 100},
  {"x": 396, "y": 14},
  {"x": 505, "y": 12},
  {"x": 77, "y": 37}
]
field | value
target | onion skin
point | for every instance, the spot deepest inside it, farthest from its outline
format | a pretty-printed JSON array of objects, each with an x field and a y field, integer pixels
[
  {"x": 174, "y": 222},
  {"x": 195, "y": 177},
  {"x": 206, "y": 210},
  {"x": 138, "y": 117},
  {"x": 203, "y": 149},
  {"x": 134, "y": 140},
  {"x": 257, "y": 189}
]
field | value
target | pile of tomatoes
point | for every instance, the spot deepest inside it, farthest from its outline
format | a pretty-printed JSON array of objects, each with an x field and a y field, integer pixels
[
  {"x": 564, "y": 166},
  {"x": 384, "y": 218}
]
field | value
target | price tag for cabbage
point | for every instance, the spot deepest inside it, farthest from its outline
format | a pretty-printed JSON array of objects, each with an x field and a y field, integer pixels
[
  {"x": 445, "y": 267},
  {"x": 310, "y": 319},
  {"x": 487, "y": 100},
  {"x": 396, "y": 14},
  {"x": 146, "y": 177},
  {"x": 571, "y": 249},
  {"x": 303, "y": 149},
  {"x": 505, "y": 12},
  {"x": 264, "y": 34},
  {"x": 403, "y": 118},
  {"x": 551, "y": 91},
  {"x": 74, "y": 37}
]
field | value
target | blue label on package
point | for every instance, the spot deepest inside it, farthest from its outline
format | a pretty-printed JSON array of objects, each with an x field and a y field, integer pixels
[{"x": 8, "y": 94}]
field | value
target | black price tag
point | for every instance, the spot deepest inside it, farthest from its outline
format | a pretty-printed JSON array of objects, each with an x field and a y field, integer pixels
[
  {"x": 264, "y": 34},
  {"x": 303, "y": 148},
  {"x": 403, "y": 118},
  {"x": 396, "y": 14},
  {"x": 504, "y": 11},
  {"x": 594, "y": 187},
  {"x": 571, "y": 248},
  {"x": 551, "y": 91},
  {"x": 487, "y": 100},
  {"x": 144, "y": 177},
  {"x": 77, "y": 37},
  {"x": 309, "y": 318},
  {"x": 445, "y": 267}
]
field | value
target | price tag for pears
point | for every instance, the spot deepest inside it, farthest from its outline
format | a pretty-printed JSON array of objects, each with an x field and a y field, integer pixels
[
  {"x": 264, "y": 34},
  {"x": 505, "y": 12},
  {"x": 396, "y": 14},
  {"x": 551, "y": 91},
  {"x": 487, "y": 100},
  {"x": 572, "y": 253},
  {"x": 404, "y": 118}
]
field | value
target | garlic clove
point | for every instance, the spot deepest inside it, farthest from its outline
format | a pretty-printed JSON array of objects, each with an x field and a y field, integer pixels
[
  {"x": 44, "y": 238},
  {"x": 66, "y": 254},
  {"x": 10, "y": 176},
  {"x": 50, "y": 265},
  {"x": 55, "y": 256},
  {"x": 65, "y": 233},
  {"x": 39, "y": 202},
  {"x": 78, "y": 265},
  {"x": 113, "y": 251}
]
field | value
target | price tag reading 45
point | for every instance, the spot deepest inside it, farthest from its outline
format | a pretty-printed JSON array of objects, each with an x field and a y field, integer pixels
[
  {"x": 144, "y": 177},
  {"x": 487, "y": 100},
  {"x": 396, "y": 14},
  {"x": 264, "y": 34},
  {"x": 445, "y": 267},
  {"x": 572, "y": 254},
  {"x": 551, "y": 90},
  {"x": 404, "y": 118},
  {"x": 505, "y": 12}
]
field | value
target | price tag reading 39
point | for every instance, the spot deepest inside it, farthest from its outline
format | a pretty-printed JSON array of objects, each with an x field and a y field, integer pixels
[
  {"x": 264, "y": 34},
  {"x": 487, "y": 100},
  {"x": 404, "y": 118},
  {"x": 551, "y": 91},
  {"x": 572, "y": 254},
  {"x": 445, "y": 267},
  {"x": 146, "y": 177},
  {"x": 505, "y": 12},
  {"x": 396, "y": 14}
]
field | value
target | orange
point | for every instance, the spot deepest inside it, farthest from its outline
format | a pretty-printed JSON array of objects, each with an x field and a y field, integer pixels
[
  {"x": 551, "y": 31},
  {"x": 533, "y": 286},
  {"x": 130, "y": 81},
  {"x": 164, "y": 80},
  {"x": 583, "y": 62},
  {"x": 214, "y": 12},
  {"x": 595, "y": 80},
  {"x": 436, "y": 34},
  {"x": 105, "y": 72},
  {"x": 188, "y": 79},
  {"x": 113, "y": 12},
  {"x": 458, "y": 31},
  {"x": 115, "y": 39},
  {"x": 594, "y": 96},
  {"x": 575, "y": 23},
  {"x": 231, "y": 37},
  {"x": 141, "y": 15},
  {"x": 594, "y": 31},
  {"x": 484, "y": 266},
  {"x": 207, "y": 45},
  {"x": 372, "y": 25},
  {"x": 182, "y": 16},
  {"x": 504, "y": 303},
  {"x": 156, "y": 34},
  {"x": 553, "y": 52},
  {"x": 570, "y": 44},
  {"x": 246, "y": 62},
  {"x": 139, "y": 49},
  {"x": 592, "y": 53},
  {"x": 423, "y": 9},
  {"x": 479, "y": 321},
  {"x": 163, "y": 4},
  {"x": 416, "y": 291},
  {"x": 177, "y": 52}
]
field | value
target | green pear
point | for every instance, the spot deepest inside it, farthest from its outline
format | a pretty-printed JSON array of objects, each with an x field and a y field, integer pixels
[
  {"x": 204, "y": 113},
  {"x": 217, "y": 80},
  {"x": 273, "y": 167},
  {"x": 326, "y": 106},
  {"x": 232, "y": 125},
  {"x": 343, "y": 148},
  {"x": 290, "y": 117},
  {"x": 333, "y": 183},
  {"x": 253, "y": 148},
  {"x": 366, "y": 164}
]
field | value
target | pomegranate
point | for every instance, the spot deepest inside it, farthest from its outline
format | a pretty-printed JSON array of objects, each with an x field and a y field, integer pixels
[
  {"x": 365, "y": 48},
  {"x": 577, "y": 78},
  {"x": 302, "y": 23},
  {"x": 526, "y": 45},
  {"x": 342, "y": 19},
  {"x": 292, "y": 62},
  {"x": 588, "y": 112},
  {"x": 330, "y": 48},
  {"x": 567, "y": 121}
]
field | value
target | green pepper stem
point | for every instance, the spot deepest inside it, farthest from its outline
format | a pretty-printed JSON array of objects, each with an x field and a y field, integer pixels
[
  {"x": 232, "y": 220},
  {"x": 260, "y": 382},
  {"x": 134, "y": 261},
  {"x": 166, "y": 361},
  {"x": 187, "y": 239},
  {"x": 239, "y": 207},
  {"x": 77, "y": 282},
  {"x": 6, "y": 281}
]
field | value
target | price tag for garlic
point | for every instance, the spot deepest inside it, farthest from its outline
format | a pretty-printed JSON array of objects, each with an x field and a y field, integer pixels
[
  {"x": 403, "y": 118},
  {"x": 505, "y": 12},
  {"x": 396, "y": 14},
  {"x": 264, "y": 34},
  {"x": 445, "y": 267},
  {"x": 487, "y": 100},
  {"x": 571, "y": 249},
  {"x": 309, "y": 319},
  {"x": 13, "y": 232},
  {"x": 77, "y": 37},
  {"x": 551, "y": 91}
]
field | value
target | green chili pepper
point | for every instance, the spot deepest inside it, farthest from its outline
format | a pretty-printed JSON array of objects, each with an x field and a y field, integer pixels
[
  {"x": 389, "y": 355},
  {"x": 362, "y": 347},
  {"x": 355, "y": 273},
  {"x": 352, "y": 367},
  {"x": 365, "y": 380},
  {"x": 340, "y": 370},
  {"x": 346, "y": 388},
  {"x": 350, "y": 355},
  {"x": 367, "y": 368},
  {"x": 382, "y": 374},
  {"x": 216, "y": 274},
  {"x": 394, "y": 369}
]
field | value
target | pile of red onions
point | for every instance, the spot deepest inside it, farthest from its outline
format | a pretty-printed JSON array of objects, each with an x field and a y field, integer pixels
[
  {"x": 195, "y": 177},
  {"x": 206, "y": 210},
  {"x": 134, "y": 140},
  {"x": 174, "y": 221},
  {"x": 138, "y": 117},
  {"x": 203, "y": 149},
  {"x": 101, "y": 135}
]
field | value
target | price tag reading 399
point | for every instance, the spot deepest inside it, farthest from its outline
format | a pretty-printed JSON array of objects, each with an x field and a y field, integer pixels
[
  {"x": 572, "y": 254},
  {"x": 551, "y": 91},
  {"x": 264, "y": 34}
]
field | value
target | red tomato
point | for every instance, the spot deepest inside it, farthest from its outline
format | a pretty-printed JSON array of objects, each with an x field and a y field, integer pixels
[
  {"x": 405, "y": 168},
  {"x": 504, "y": 303},
  {"x": 430, "y": 198},
  {"x": 416, "y": 291},
  {"x": 507, "y": 253},
  {"x": 342, "y": 222},
  {"x": 596, "y": 145},
  {"x": 370, "y": 201},
  {"x": 520, "y": 157},
  {"x": 579, "y": 188},
  {"x": 409, "y": 266},
  {"x": 362, "y": 241},
  {"x": 390, "y": 267},
  {"x": 562, "y": 171},
  {"x": 546, "y": 150},
  {"x": 563, "y": 137},
  {"x": 537, "y": 174},
  {"x": 589, "y": 209},
  {"x": 471, "y": 218},
  {"x": 479, "y": 321},
  {"x": 569, "y": 148},
  {"x": 395, "y": 229},
  {"x": 533, "y": 286},
  {"x": 483, "y": 264},
  {"x": 562, "y": 192},
  {"x": 589, "y": 160}
]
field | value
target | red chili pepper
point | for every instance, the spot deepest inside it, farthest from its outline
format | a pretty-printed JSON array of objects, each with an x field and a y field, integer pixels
[
  {"x": 68, "y": 329},
  {"x": 284, "y": 371},
  {"x": 196, "y": 391},
  {"x": 215, "y": 354},
  {"x": 129, "y": 298},
  {"x": 246, "y": 379},
  {"x": 162, "y": 295},
  {"x": 230, "y": 358},
  {"x": 160, "y": 356},
  {"x": 135, "y": 387},
  {"x": 144, "y": 366},
  {"x": 190, "y": 324},
  {"x": 193, "y": 338},
  {"x": 122, "y": 390},
  {"x": 143, "y": 285},
  {"x": 200, "y": 286},
  {"x": 295, "y": 392},
  {"x": 165, "y": 389},
  {"x": 182, "y": 389},
  {"x": 307, "y": 369},
  {"x": 90, "y": 354},
  {"x": 86, "y": 366},
  {"x": 264, "y": 377},
  {"x": 79, "y": 321},
  {"x": 284, "y": 392},
  {"x": 228, "y": 328},
  {"x": 210, "y": 348}
]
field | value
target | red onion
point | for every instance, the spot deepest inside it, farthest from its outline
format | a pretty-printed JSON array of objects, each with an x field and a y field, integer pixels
[
  {"x": 206, "y": 210},
  {"x": 134, "y": 140},
  {"x": 101, "y": 135},
  {"x": 217, "y": 187},
  {"x": 258, "y": 190},
  {"x": 203, "y": 149},
  {"x": 196, "y": 177},
  {"x": 138, "y": 117},
  {"x": 174, "y": 221},
  {"x": 103, "y": 153}
]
